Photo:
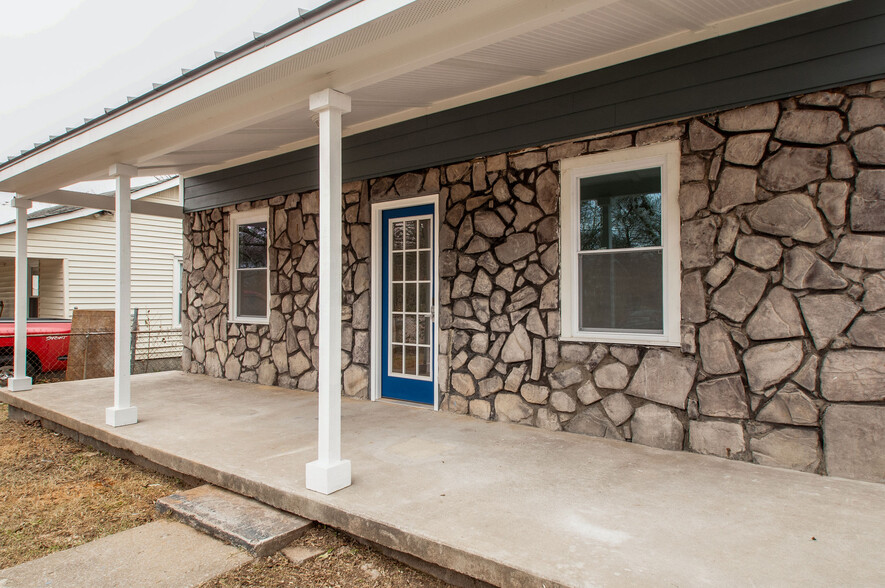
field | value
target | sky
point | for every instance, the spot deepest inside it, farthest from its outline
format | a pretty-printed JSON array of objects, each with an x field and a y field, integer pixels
[{"x": 66, "y": 60}]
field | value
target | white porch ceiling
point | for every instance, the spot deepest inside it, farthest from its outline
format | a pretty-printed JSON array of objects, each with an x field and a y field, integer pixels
[{"x": 423, "y": 57}]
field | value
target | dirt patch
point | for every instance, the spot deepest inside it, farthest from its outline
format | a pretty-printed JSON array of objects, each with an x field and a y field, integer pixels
[
  {"x": 343, "y": 563},
  {"x": 58, "y": 494}
]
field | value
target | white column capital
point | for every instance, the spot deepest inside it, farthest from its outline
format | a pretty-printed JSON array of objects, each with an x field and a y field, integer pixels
[
  {"x": 123, "y": 170},
  {"x": 19, "y": 202},
  {"x": 329, "y": 99}
]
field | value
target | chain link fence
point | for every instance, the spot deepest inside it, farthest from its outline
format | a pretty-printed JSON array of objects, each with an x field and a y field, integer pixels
[{"x": 78, "y": 356}]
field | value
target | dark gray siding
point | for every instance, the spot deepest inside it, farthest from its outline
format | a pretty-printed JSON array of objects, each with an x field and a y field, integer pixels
[{"x": 835, "y": 46}]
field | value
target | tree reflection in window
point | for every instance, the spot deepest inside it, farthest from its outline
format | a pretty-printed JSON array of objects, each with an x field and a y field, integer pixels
[
  {"x": 252, "y": 245},
  {"x": 621, "y": 211}
]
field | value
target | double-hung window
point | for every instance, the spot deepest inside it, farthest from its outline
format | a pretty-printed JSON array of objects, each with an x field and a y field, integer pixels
[
  {"x": 620, "y": 246},
  {"x": 249, "y": 275}
]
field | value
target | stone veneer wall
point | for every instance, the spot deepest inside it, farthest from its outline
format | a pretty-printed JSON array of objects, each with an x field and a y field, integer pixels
[{"x": 783, "y": 328}]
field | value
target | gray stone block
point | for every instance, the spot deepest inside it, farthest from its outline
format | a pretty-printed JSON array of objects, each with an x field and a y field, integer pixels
[
  {"x": 259, "y": 529},
  {"x": 854, "y": 441},
  {"x": 717, "y": 438}
]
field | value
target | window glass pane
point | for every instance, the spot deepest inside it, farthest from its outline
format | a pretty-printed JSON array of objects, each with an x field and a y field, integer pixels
[
  {"x": 252, "y": 245},
  {"x": 423, "y": 361},
  {"x": 424, "y": 235},
  {"x": 621, "y": 210},
  {"x": 622, "y": 291},
  {"x": 252, "y": 292}
]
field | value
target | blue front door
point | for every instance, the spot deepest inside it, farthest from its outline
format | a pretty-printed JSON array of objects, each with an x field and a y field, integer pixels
[{"x": 408, "y": 300}]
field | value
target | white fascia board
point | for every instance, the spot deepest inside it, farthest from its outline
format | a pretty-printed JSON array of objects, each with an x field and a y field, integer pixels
[
  {"x": 320, "y": 32},
  {"x": 84, "y": 212}
]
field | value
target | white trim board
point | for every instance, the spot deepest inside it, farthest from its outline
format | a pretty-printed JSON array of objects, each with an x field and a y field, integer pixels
[
  {"x": 84, "y": 212},
  {"x": 375, "y": 294},
  {"x": 237, "y": 219},
  {"x": 667, "y": 157}
]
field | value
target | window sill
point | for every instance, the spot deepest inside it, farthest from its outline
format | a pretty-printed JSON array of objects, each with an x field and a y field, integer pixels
[
  {"x": 615, "y": 340},
  {"x": 247, "y": 321}
]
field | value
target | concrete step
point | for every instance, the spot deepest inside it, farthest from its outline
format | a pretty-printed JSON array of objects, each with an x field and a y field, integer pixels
[{"x": 259, "y": 529}]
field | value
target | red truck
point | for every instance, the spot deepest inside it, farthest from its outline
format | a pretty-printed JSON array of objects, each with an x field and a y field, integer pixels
[{"x": 47, "y": 346}]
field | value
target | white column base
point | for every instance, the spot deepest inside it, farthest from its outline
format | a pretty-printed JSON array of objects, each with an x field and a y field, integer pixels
[
  {"x": 327, "y": 478},
  {"x": 19, "y": 384},
  {"x": 118, "y": 417}
]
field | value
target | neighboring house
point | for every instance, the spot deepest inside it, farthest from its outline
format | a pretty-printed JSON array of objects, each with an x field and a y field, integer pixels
[
  {"x": 71, "y": 262},
  {"x": 656, "y": 222}
]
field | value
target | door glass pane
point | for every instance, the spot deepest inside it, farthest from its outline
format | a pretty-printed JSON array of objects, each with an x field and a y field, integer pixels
[
  {"x": 411, "y": 297},
  {"x": 424, "y": 235},
  {"x": 252, "y": 292},
  {"x": 410, "y": 228},
  {"x": 397, "y": 297},
  {"x": 397, "y": 329},
  {"x": 424, "y": 265},
  {"x": 423, "y": 361},
  {"x": 424, "y": 330},
  {"x": 410, "y": 360},
  {"x": 622, "y": 291},
  {"x": 397, "y": 236},
  {"x": 410, "y": 328},
  {"x": 621, "y": 210},
  {"x": 424, "y": 297},
  {"x": 411, "y": 263},
  {"x": 397, "y": 359},
  {"x": 397, "y": 266}
]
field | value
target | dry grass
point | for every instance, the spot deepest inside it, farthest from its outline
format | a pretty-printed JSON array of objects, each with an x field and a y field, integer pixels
[
  {"x": 343, "y": 563},
  {"x": 56, "y": 493}
]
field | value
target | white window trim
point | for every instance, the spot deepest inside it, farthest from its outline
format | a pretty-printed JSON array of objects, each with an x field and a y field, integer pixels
[
  {"x": 665, "y": 155},
  {"x": 236, "y": 219},
  {"x": 177, "y": 292}
]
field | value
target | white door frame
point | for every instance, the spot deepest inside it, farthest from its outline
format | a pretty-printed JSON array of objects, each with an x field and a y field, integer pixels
[{"x": 376, "y": 319}]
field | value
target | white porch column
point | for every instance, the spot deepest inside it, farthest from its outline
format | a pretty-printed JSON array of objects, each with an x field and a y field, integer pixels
[
  {"x": 329, "y": 473},
  {"x": 20, "y": 380},
  {"x": 122, "y": 413}
]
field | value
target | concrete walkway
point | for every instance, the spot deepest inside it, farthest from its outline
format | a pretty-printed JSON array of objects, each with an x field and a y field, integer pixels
[
  {"x": 508, "y": 504},
  {"x": 159, "y": 554}
]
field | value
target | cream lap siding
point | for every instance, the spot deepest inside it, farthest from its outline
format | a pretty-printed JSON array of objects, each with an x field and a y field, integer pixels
[
  {"x": 52, "y": 288},
  {"x": 87, "y": 246},
  {"x": 7, "y": 287}
]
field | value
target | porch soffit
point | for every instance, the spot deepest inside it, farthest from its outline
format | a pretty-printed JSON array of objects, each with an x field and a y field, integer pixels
[{"x": 421, "y": 57}]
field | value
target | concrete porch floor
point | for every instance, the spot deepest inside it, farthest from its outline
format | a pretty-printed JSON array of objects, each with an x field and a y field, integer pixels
[{"x": 508, "y": 504}]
